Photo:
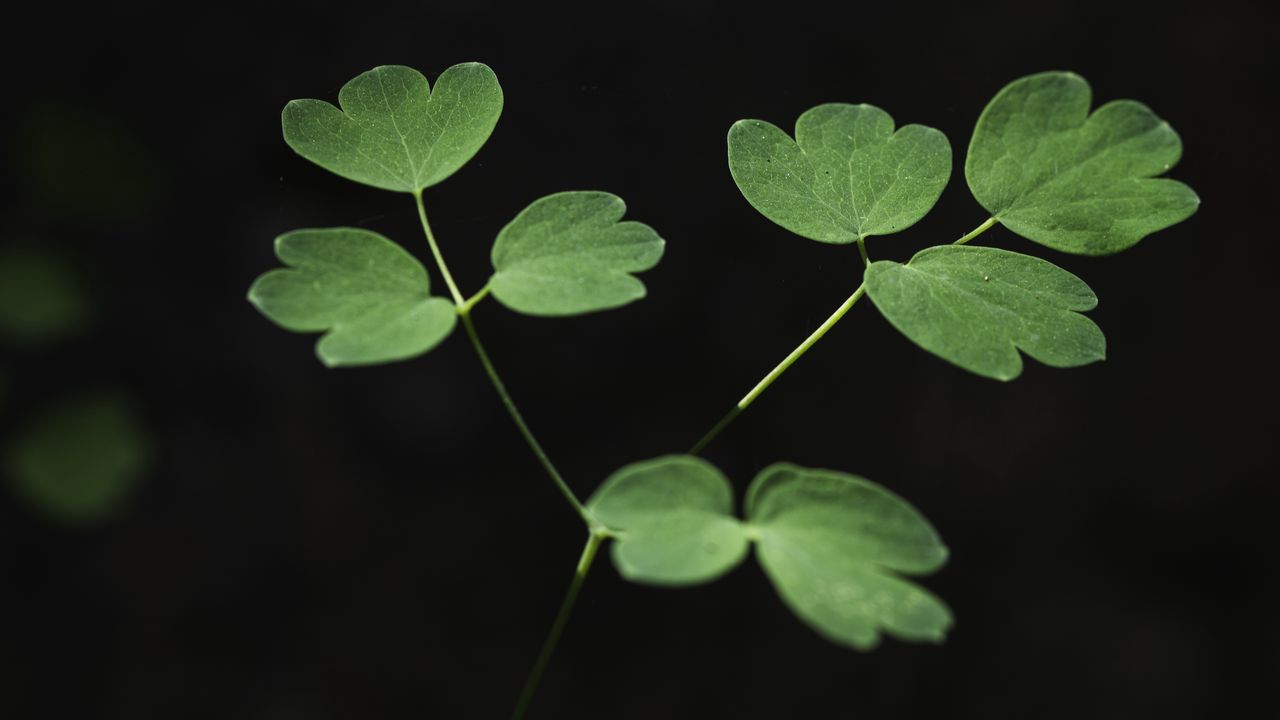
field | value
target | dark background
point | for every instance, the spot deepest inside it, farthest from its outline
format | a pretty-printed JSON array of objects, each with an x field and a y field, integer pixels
[{"x": 378, "y": 543}]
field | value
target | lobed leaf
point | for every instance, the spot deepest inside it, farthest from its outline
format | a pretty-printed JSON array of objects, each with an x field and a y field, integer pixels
[
  {"x": 835, "y": 546},
  {"x": 675, "y": 514},
  {"x": 370, "y": 297},
  {"x": 77, "y": 461},
  {"x": 977, "y": 306},
  {"x": 1073, "y": 181},
  {"x": 568, "y": 254},
  {"x": 392, "y": 131},
  {"x": 846, "y": 176}
]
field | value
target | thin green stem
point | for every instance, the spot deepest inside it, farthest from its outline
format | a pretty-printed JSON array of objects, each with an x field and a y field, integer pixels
[
  {"x": 715, "y": 430},
  {"x": 435, "y": 250},
  {"x": 464, "y": 313},
  {"x": 557, "y": 628},
  {"x": 777, "y": 371},
  {"x": 465, "y": 308},
  {"x": 518, "y": 419},
  {"x": 977, "y": 231},
  {"x": 813, "y": 338}
]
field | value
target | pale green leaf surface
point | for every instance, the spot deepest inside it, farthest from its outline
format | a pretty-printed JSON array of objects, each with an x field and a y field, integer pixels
[
  {"x": 836, "y": 545},
  {"x": 568, "y": 254},
  {"x": 846, "y": 175},
  {"x": 675, "y": 516},
  {"x": 77, "y": 461},
  {"x": 976, "y": 306},
  {"x": 1073, "y": 181},
  {"x": 393, "y": 131},
  {"x": 371, "y": 296}
]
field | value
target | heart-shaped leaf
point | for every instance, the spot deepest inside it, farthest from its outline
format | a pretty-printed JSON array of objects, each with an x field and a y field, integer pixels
[
  {"x": 846, "y": 176},
  {"x": 568, "y": 254},
  {"x": 976, "y": 306},
  {"x": 1075, "y": 182},
  {"x": 835, "y": 546},
  {"x": 393, "y": 132},
  {"x": 78, "y": 460},
  {"x": 675, "y": 515},
  {"x": 371, "y": 296}
]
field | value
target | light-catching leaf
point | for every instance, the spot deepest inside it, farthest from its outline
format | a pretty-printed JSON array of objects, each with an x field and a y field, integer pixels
[
  {"x": 393, "y": 131},
  {"x": 846, "y": 175},
  {"x": 568, "y": 254},
  {"x": 976, "y": 306},
  {"x": 77, "y": 461},
  {"x": 371, "y": 296},
  {"x": 1075, "y": 182},
  {"x": 676, "y": 518},
  {"x": 836, "y": 545}
]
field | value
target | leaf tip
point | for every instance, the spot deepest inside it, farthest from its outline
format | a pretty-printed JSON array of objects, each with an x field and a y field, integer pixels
[
  {"x": 328, "y": 360},
  {"x": 1006, "y": 375}
]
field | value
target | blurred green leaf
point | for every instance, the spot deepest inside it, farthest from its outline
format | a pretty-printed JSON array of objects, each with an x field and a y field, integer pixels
[
  {"x": 371, "y": 296},
  {"x": 675, "y": 514},
  {"x": 42, "y": 300},
  {"x": 568, "y": 254},
  {"x": 1075, "y": 182},
  {"x": 976, "y": 306},
  {"x": 77, "y": 462},
  {"x": 835, "y": 546},
  {"x": 846, "y": 175},
  {"x": 393, "y": 132}
]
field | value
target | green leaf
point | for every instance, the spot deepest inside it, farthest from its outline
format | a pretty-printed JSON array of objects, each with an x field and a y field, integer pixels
[
  {"x": 371, "y": 296},
  {"x": 675, "y": 515},
  {"x": 393, "y": 132},
  {"x": 568, "y": 254},
  {"x": 78, "y": 461},
  {"x": 1075, "y": 182},
  {"x": 846, "y": 176},
  {"x": 976, "y": 306},
  {"x": 42, "y": 300},
  {"x": 836, "y": 545}
]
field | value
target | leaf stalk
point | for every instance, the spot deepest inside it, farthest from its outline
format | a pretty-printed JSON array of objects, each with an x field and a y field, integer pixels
[
  {"x": 464, "y": 314},
  {"x": 809, "y": 342},
  {"x": 594, "y": 540}
]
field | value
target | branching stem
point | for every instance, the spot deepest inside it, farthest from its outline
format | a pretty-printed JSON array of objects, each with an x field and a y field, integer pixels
[
  {"x": 809, "y": 342},
  {"x": 464, "y": 314}
]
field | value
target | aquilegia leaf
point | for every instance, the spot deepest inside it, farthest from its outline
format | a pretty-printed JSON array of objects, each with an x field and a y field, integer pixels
[
  {"x": 836, "y": 547},
  {"x": 1080, "y": 183},
  {"x": 393, "y": 131},
  {"x": 568, "y": 254},
  {"x": 675, "y": 514},
  {"x": 976, "y": 306},
  {"x": 846, "y": 175},
  {"x": 371, "y": 296}
]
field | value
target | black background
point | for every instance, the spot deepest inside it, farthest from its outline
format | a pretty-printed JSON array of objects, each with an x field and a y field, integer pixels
[{"x": 378, "y": 543}]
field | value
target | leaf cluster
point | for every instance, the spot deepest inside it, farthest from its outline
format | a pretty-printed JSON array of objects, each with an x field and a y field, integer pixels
[
  {"x": 839, "y": 549},
  {"x": 564, "y": 254},
  {"x": 1039, "y": 162}
]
